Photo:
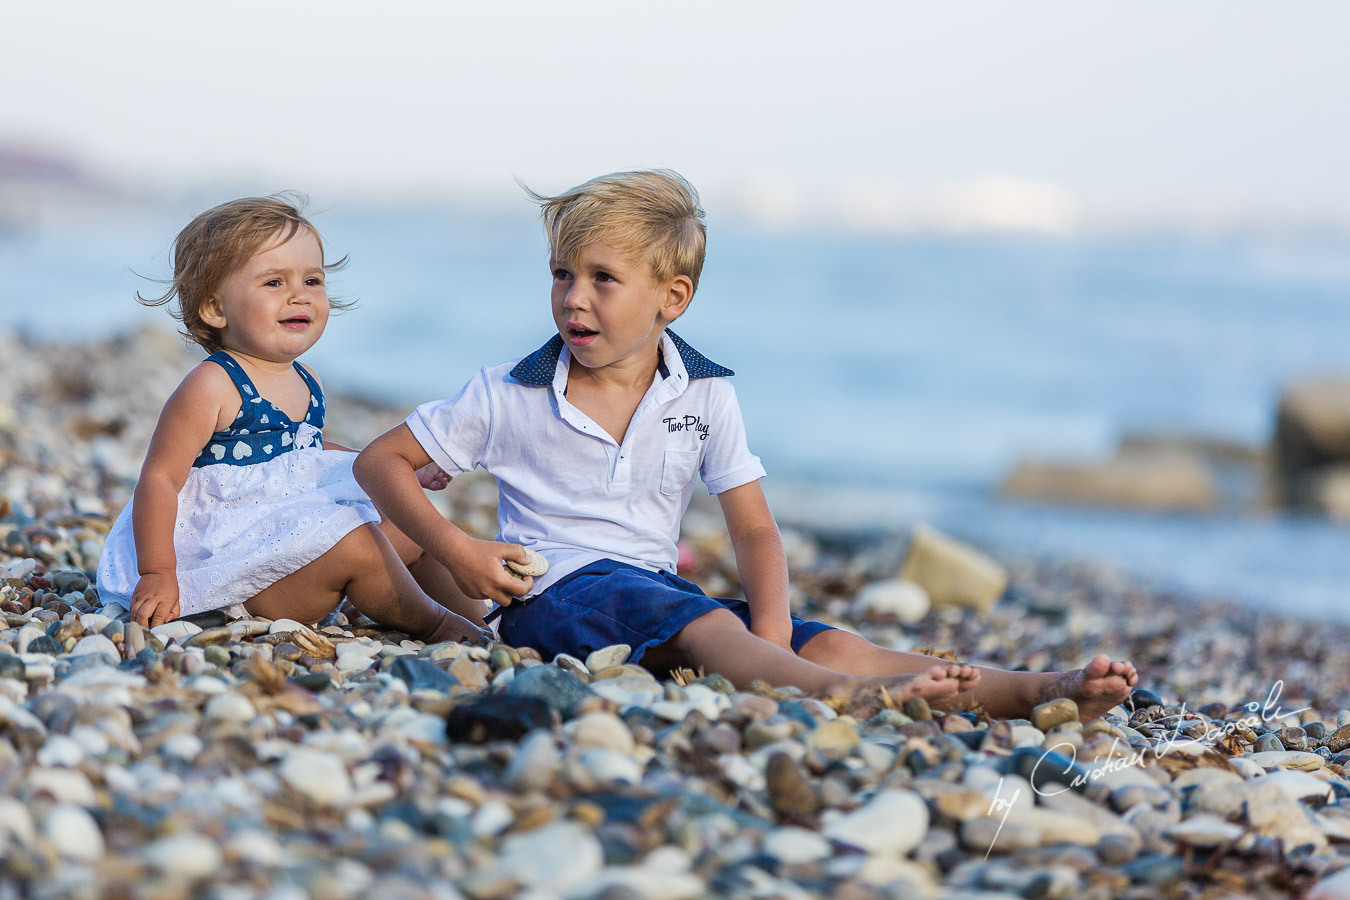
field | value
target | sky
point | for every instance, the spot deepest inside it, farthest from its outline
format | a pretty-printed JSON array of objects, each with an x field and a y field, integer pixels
[{"x": 1049, "y": 111}]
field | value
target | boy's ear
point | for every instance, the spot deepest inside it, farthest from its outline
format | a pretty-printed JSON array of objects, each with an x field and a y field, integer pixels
[
  {"x": 211, "y": 313},
  {"x": 679, "y": 291}
]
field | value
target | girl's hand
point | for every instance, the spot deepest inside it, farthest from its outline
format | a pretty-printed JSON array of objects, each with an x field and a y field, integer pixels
[
  {"x": 432, "y": 477},
  {"x": 155, "y": 600},
  {"x": 480, "y": 573}
]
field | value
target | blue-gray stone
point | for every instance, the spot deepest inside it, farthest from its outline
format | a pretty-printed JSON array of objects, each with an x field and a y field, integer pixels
[
  {"x": 421, "y": 674},
  {"x": 44, "y": 644},
  {"x": 1156, "y": 869},
  {"x": 560, "y": 689},
  {"x": 11, "y": 666},
  {"x": 1046, "y": 769}
]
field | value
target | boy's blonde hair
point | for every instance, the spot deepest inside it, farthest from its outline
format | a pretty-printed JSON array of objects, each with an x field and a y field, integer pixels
[
  {"x": 652, "y": 215},
  {"x": 219, "y": 241}
]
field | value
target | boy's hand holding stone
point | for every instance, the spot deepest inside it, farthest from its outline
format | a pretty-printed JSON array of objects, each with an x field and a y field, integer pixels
[
  {"x": 432, "y": 477},
  {"x": 480, "y": 570}
]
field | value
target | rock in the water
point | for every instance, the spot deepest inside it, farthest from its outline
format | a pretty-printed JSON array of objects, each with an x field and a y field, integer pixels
[
  {"x": 953, "y": 573},
  {"x": 1312, "y": 438},
  {"x": 1144, "y": 478},
  {"x": 498, "y": 717}
]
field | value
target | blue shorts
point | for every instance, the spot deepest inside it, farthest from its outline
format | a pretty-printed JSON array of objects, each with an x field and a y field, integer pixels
[{"x": 609, "y": 602}]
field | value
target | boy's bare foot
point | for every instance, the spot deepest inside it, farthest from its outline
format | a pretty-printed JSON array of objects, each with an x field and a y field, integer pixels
[
  {"x": 934, "y": 683},
  {"x": 454, "y": 627},
  {"x": 1098, "y": 686}
]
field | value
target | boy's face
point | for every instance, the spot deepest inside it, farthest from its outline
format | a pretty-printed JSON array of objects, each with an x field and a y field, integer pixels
[{"x": 609, "y": 309}]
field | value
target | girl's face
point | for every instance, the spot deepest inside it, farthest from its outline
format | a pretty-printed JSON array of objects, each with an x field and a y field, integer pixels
[{"x": 275, "y": 306}]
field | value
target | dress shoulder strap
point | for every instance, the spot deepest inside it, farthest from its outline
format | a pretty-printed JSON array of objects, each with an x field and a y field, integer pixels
[
  {"x": 315, "y": 414},
  {"x": 244, "y": 384}
]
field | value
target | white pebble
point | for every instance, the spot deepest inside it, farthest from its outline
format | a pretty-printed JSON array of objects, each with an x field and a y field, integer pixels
[
  {"x": 792, "y": 846},
  {"x": 69, "y": 786},
  {"x": 557, "y": 855},
  {"x": 230, "y": 707},
  {"x": 73, "y": 833},
  {"x": 175, "y": 631},
  {"x": 286, "y": 625},
  {"x": 607, "y": 765},
  {"x": 607, "y": 657},
  {"x": 904, "y": 600},
  {"x": 15, "y": 821},
  {"x": 257, "y": 847},
  {"x": 97, "y": 644},
  {"x": 61, "y": 750},
  {"x": 354, "y": 662},
  {"x": 492, "y": 818},
  {"x": 893, "y": 823},
  {"x": 182, "y": 746},
  {"x": 187, "y": 855},
  {"x": 604, "y": 730},
  {"x": 317, "y": 775}
]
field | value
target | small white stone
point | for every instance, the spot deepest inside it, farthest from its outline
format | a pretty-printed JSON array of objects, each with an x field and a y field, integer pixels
[
  {"x": 182, "y": 746},
  {"x": 893, "y": 822},
  {"x": 893, "y": 598},
  {"x": 97, "y": 645},
  {"x": 534, "y": 764},
  {"x": 187, "y": 855},
  {"x": 94, "y": 622},
  {"x": 608, "y": 657},
  {"x": 493, "y": 817},
  {"x": 26, "y": 636},
  {"x": 69, "y": 786},
  {"x": 230, "y": 707},
  {"x": 354, "y": 662},
  {"x": 604, "y": 730},
  {"x": 318, "y": 775},
  {"x": 257, "y": 847},
  {"x": 177, "y": 631},
  {"x": 15, "y": 821},
  {"x": 358, "y": 648},
  {"x": 281, "y": 626},
  {"x": 73, "y": 833},
  {"x": 792, "y": 846},
  {"x": 1204, "y": 831},
  {"x": 61, "y": 750},
  {"x": 1289, "y": 759},
  {"x": 555, "y": 856},
  {"x": 606, "y": 765}
]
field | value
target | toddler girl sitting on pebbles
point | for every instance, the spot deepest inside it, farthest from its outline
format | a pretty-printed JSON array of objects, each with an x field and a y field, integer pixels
[{"x": 241, "y": 505}]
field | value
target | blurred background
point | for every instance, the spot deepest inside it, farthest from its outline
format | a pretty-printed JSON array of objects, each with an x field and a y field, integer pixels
[{"x": 1039, "y": 274}]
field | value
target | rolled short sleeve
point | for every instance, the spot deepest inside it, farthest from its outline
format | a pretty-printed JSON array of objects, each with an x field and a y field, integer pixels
[
  {"x": 455, "y": 432},
  {"x": 727, "y": 461}
]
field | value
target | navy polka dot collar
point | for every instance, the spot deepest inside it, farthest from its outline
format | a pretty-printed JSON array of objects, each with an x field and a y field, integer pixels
[{"x": 539, "y": 367}]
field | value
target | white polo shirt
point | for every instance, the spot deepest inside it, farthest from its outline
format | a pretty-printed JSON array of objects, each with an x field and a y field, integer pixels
[{"x": 567, "y": 489}]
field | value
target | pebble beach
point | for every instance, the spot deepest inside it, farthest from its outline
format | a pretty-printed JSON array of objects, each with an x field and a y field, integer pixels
[{"x": 236, "y": 760}]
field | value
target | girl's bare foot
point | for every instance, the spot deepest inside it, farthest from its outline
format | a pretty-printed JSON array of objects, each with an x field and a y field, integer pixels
[
  {"x": 1098, "y": 686},
  {"x": 934, "y": 683}
]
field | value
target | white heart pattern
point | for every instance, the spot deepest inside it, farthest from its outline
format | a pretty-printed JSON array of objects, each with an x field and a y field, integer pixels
[
  {"x": 265, "y": 420},
  {"x": 285, "y": 439},
  {"x": 268, "y": 449},
  {"x": 217, "y": 451},
  {"x": 241, "y": 450}
]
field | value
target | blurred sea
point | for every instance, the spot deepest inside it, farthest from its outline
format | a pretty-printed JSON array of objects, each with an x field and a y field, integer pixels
[{"x": 885, "y": 381}]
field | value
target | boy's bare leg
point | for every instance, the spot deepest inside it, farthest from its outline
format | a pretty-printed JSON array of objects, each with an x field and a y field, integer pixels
[
  {"x": 433, "y": 577},
  {"x": 1003, "y": 694},
  {"x": 720, "y": 642},
  {"x": 364, "y": 567}
]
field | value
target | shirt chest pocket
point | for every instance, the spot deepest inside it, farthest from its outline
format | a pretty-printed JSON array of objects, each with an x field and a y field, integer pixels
[{"x": 677, "y": 470}]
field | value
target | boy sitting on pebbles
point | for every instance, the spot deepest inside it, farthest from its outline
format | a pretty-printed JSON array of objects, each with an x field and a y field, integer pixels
[{"x": 595, "y": 440}]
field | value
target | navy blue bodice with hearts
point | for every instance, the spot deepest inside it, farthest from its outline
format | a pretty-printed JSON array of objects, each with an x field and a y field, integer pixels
[{"x": 261, "y": 431}]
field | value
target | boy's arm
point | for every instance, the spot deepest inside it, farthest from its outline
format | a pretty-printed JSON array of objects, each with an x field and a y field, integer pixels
[
  {"x": 760, "y": 561},
  {"x": 387, "y": 471}
]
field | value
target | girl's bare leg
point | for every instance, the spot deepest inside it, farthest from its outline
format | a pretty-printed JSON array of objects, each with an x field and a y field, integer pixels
[
  {"x": 364, "y": 567},
  {"x": 1096, "y": 687},
  {"x": 720, "y": 642},
  {"x": 433, "y": 577}
]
